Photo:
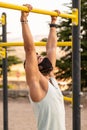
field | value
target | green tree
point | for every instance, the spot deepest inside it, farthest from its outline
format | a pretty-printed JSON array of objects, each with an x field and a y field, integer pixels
[
  {"x": 65, "y": 63},
  {"x": 64, "y": 34},
  {"x": 84, "y": 42},
  {"x": 11, "y": 60}
]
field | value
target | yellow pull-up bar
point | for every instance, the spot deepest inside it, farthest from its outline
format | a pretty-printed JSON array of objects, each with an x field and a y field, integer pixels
[
  {"x": 4, "y": 44},
  {"x": 73, "y": 16},
  {"x": 67, "y": 99}
]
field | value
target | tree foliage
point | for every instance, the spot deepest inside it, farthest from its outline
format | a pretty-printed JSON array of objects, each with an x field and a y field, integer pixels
[
  {"x": 84, "y": 43},
  {"x": 10, "y": 61},
  {"x": 64, "y": 34}
]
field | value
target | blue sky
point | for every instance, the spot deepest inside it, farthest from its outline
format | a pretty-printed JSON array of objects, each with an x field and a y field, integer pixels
[{"x": 38, "y": 23}]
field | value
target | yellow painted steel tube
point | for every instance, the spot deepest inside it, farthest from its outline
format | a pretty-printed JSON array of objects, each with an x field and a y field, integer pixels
[
  {"x": 0, "y": 19},
  {"x": 67, "y": 98},
  {"x": 36, "y": 44},
  {"x": 2, "y": 52},
  {"x": 34, "y": 10}
]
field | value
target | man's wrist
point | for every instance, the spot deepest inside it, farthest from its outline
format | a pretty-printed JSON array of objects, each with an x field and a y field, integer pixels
[
  {"x": 23, "y": 21},
  {"x": 53, "y": 25}
]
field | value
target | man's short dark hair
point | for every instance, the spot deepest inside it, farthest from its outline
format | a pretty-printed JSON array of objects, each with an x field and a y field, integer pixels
[{"x": 45, "y": 67}]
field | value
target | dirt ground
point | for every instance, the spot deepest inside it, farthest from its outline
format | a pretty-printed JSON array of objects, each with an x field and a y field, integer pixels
[{"x": 21, "y": 117}]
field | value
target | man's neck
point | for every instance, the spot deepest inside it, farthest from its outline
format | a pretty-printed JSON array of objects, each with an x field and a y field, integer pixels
[{"x": 47, "y": 77}]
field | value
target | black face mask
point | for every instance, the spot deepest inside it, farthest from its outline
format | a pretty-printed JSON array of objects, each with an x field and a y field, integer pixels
[{"x": 45, "y": 66}]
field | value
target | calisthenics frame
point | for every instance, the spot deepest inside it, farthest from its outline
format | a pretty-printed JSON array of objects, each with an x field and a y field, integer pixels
[
  {"x": 76, "y": 76},
  {"x": 73, "y": 16}
]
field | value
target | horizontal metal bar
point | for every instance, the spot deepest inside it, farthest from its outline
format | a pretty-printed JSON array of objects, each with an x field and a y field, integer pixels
[
  {"x": 34, "y": 10},
  {"x": 67, "y": 98},
  {"x": 67, "y": 43}
]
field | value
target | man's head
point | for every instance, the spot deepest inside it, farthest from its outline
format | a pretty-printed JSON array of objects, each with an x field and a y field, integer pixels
[{"x": 44, "y": 65}]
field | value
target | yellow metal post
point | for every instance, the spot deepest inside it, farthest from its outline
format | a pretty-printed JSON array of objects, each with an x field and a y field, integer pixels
[
  {"x": 4, "y": 44},
  {"x": 39, "y": 11}
]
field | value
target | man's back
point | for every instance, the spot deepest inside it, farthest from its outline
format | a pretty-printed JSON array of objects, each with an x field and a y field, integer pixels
[{"x": 50, "y": 113}]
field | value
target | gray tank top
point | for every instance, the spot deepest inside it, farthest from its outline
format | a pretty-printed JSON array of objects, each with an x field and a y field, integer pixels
[{"x": 50, "y": 112}]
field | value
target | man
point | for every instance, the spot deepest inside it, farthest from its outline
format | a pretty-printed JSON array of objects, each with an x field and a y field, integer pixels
[{"x": 45, "y": 95}]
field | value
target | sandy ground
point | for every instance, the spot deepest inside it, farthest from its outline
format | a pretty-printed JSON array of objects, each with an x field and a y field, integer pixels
[{"x": 21, "y": 116}]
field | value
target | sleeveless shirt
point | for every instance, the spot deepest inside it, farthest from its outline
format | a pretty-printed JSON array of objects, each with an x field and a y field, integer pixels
[{"x": 50, "y": 112}]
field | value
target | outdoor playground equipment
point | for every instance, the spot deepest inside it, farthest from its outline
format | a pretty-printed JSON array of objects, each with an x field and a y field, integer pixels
[{"x": 76, "y": 74}]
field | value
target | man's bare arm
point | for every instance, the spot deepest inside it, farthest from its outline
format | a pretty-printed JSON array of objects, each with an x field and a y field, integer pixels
[
  {"x": 36, "y": 81},
  {"x": 31, "y": 66},
  {"x": 52, "y": 42}
]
